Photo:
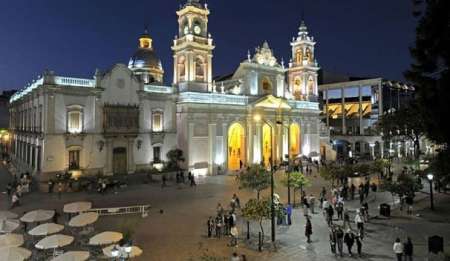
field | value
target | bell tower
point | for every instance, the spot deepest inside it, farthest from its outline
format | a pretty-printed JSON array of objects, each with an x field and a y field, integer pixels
[
  {"x": 192, "y": 49},
  {"x": 303, "y": 67}
]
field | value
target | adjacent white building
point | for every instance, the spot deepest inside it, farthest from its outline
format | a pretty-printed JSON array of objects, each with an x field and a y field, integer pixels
[{"x": 125, "y": 119}]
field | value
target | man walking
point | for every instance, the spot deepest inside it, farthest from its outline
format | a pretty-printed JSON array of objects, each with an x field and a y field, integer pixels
[
  {"x": 358, "y": 240},
  {"x": 308, "y": 230},
  {"x": 349, "y": 240},
  {"x": 312, "y": 202},
  {"x": 333, "y": 240},
  {"x": 359, "y": 221},
  {"x": 210, "y": 225},
  {"x": 330, "y": 213},
  {"x": 340, "y": 240},
  {"x": 289, "y": 214},
  {"x": 408, "y": 249}
]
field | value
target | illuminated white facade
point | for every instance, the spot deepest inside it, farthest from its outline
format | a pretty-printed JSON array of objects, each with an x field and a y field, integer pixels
[{"x": 125, "y": 119}]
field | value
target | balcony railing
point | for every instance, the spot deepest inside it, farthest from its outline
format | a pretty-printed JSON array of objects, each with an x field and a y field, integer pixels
[{"x": 79, "y": 82}]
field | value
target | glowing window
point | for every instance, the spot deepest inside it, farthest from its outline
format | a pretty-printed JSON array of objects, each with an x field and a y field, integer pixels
[
  {"x": 157, "y": 121},
  {"x": 299, "y": 56},
  {"x": 74, "y": 122},
  {"x": 74, "y": 159},
  {"x": 266, "y": 86}
]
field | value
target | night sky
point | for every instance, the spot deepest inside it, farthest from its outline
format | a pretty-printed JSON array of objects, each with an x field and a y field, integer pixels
[{"x": 73, "y": 37}]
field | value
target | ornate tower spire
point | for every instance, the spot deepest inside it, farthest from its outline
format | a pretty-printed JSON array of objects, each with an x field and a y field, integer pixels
[
  {"x": 193, "y": 48},
  {"x": 303, "y": 69}
]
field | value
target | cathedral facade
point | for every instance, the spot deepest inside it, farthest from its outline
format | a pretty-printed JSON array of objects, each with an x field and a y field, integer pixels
[{"x": 126, "y": 119}]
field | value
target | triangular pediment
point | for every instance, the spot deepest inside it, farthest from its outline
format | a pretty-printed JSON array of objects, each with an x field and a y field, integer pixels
[{"x": 272, "y": 102}]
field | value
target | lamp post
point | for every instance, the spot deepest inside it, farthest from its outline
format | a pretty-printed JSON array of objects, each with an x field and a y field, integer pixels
[
  {"x": 430, "y": 178},
  {"x": 258, "y": 118}
]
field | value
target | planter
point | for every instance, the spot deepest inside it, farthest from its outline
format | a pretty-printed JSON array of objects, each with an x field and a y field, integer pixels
[{"x": 157, "y": 177}]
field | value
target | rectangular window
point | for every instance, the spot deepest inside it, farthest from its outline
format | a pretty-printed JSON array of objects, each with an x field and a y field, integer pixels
[
  {"x": 156, "y": 154},
  {"x": 74, "y": 122},
  {"x": 74, "y": 159},
  {"x": 157, "y": 121}
]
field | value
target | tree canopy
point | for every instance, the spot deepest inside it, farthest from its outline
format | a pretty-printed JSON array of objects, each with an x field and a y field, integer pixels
[{"x": 255, "y": 178}]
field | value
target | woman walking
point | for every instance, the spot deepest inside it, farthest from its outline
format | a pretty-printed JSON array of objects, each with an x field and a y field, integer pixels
[{"x": 398, "y": 249}]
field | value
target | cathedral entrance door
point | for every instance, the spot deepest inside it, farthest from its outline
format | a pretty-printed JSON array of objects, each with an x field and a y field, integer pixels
[
  {"x": 236, "y": 146},
  {"x": 120, "y": 160}
]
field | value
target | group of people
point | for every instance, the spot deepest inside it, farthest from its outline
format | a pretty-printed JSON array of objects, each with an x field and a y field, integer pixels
[
  {"x": 17, "y": 187},
  {"x": 224, "y": 223},
  {"x": 180, "y": 179},
  {"x": 403, "y": 249},
  {"x": 338, "y": 237}
]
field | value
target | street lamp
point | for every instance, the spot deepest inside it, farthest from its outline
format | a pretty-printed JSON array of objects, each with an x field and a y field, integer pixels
[
  {"x": 258, "y": 118},
  {"x": 430, "y": 178}
]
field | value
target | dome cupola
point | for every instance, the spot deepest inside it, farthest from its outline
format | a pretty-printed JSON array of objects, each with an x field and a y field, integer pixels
[{"x": 145, "y": 62}]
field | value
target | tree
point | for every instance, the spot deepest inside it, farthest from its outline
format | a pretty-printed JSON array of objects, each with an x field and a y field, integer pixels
[
  {"x": 379, "y": 167},
  {"x": 404, "y": 123},
  {"x": 296, "y": 180},
  {"x": 255, "y": 178},
  {"x": 259, "y": 210},
  {"x": 330, "y": 172},
  {"x": 429, "y": 72},
  {"x": 174, "y": 157},
  {"x": 405, "y": 185}
]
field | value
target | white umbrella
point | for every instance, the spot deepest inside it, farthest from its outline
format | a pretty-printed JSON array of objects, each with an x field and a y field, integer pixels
[
  {"x": 7, "y": 214},
  {"x": 8, "y": 225},
  {"x": 46, "y": 229},
  {"x": 72, "y": 256},
  {"x": 15, "y": 254},
  {"x": 37, "y": 216},
  {"x": 10, "y": 240},
  {"x": 105, "y": 238},
  {"x": 135, "y": 251},
  {"x": 77, "y": 207},
  {"x": 54, "y": 241},
  {"x": 83, "y": 219}
]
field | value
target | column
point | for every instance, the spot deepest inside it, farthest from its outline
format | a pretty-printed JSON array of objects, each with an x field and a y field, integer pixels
[
  {"x": 189, "y": 159},
  {"x": 344, "y": 128},
  {"x": 108, "y": 165},
  {"x": 279, "y": 142},
  {"x": 249, "y": 138},
  {"x": 382, "y": 148},
  {"x": 225, "y": 145},
  {"x": 257, "y": 144},
  {"x": 211, "y": 147},
  {"x": 131, "y": 168}
]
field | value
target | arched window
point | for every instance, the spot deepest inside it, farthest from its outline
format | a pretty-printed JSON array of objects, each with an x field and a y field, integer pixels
[
  {"x": 181, "y": 68},
  {"x": 266, "y": 86},
  {"x": 157, "y": 121},
  {"x": 311, "y": 86},
  {"x": 309, "y": 55},
  {"x": 74, "y": 119},
  {"x": 297, "y": 87},
  {"x": 299, "y": 56},
  {"x": 199, "y": 68}
]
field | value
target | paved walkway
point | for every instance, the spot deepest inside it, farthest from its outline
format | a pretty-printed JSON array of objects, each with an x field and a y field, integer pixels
[{"x": 180, "y": 232}]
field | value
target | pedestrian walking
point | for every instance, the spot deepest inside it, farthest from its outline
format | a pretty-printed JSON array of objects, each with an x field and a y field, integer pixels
[
  {"x": 323, "y": 195},
  {"x": 409, "y": 201},
  {"x": 358, "y": 240},
  {"x": 219, "y": 209},
  {"x": 312, "y": 203},
  {"x": 346, "y": 219},
  {"x": 234, "y": 236},
  {"x": 210, "y": 225},
  {"x": 289, "y": 214},
  {"x": 340, "y": 240},
  {"x": 352, "y": 191},
  {"x": 193, "y": 181},
  {"x": 408, "y": 249},
  {"x": 349, "y": 239},
  {"x": 218, "y": 223},
  {"x": 398, "y": 249},
  {"x": 333, "y": 240},
  {"x": 308, "y": 229},
  {"x": 359, "y": 221},
  {"x": 164, "y": 181},
  {"x": 365, "y": 212},
  {"x": 340, "y": 210},
  {"x": 14, "y": 201},
  {"x": 330, "y": 213},
  {"x": 60, "y": 189}
]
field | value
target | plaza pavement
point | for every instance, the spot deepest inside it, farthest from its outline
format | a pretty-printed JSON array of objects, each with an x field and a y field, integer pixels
[{"x": 179, "y": 233}]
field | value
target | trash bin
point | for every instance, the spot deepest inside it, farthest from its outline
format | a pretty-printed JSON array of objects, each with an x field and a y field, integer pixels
[
  {"x": 385, "y": 210},
  {"x": 435, "y": 244}
]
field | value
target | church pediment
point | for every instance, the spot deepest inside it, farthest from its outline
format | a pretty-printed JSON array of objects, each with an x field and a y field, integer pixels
[{"x": 272, "y": 102}]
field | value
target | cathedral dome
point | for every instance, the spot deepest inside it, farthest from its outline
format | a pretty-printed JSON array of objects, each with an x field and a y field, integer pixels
[
  {"x": 145, "y": 62},
  {"x": 144, "y": 58}
]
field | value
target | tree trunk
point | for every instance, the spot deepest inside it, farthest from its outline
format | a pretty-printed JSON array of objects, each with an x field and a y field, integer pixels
[
  {"x": 262, "y": 229},
  {"x": 293, "y": 204},
  {"x": 257, "y": 194}
]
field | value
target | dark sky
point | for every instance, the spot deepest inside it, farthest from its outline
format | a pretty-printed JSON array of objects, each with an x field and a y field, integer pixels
[{"x": 73, "y": 37}]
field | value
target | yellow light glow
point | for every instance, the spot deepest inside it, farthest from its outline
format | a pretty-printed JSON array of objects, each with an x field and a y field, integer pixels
[
  {"x": 273, "y": 102},
  {"x": 236, "y": 146},
  {"x": 294, "y": 139},
  {"x": 267, "y": 144},
  {"x": 351, "y": 109},
  {"x": 257, "y": 117}
]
